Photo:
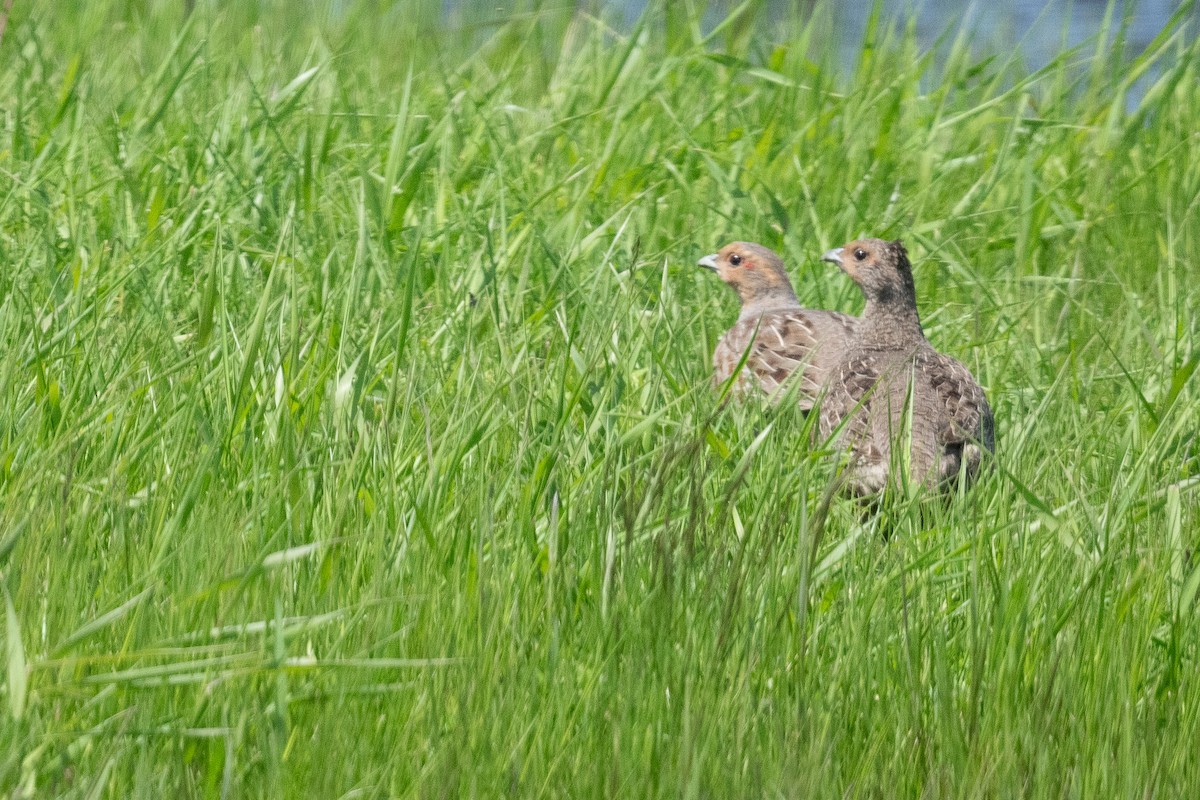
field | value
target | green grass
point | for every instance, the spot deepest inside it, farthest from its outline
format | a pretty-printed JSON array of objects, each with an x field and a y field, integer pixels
[{"x": 356, "y": 437}]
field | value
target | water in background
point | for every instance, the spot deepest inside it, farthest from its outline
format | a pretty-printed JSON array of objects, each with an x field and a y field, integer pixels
[{"x": 1038, "y": 29}]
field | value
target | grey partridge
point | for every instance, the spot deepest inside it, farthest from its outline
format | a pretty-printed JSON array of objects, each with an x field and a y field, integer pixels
[
  {"x": 783, "y": 338},
  {"x": 891, "y": 385}
]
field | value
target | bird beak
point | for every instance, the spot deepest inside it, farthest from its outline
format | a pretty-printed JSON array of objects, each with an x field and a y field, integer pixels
[
  {"x": 833, "y": 256},
  {"x": 708, "y": 262}
]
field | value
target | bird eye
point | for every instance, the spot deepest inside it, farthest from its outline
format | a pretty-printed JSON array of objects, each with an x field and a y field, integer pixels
[
  {"x": 860, "y": 254},
  {"x": 735, "y": 259}
]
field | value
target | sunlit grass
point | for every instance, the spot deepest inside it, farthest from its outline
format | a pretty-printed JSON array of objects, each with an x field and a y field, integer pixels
[{"x": 356, "y": 435}]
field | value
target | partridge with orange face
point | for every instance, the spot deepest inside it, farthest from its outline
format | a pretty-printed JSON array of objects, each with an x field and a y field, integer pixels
[
  {"x": 891, "y": 385},
  {"x": 783, "y": 338}
]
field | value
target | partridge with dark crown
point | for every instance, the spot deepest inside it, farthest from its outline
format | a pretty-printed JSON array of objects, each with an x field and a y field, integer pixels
[
  {"x": 890, "y": 384},
  {"x": 783, "y": 337}
]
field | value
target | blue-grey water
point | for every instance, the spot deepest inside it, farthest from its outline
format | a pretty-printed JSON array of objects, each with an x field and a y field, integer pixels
[{"x": 1036, "y": 29}]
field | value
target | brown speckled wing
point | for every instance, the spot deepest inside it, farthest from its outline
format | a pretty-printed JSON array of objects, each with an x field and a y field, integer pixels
[
  {"x": 965, "y": 414},
  {"x": 785, "y": 343},
  {"x": 965, "y": 427}
]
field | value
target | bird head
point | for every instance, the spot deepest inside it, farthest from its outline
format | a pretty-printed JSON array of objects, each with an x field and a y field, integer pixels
[
  {"x": 880, "y": 268},
  {"x": 755, "y": 273}
]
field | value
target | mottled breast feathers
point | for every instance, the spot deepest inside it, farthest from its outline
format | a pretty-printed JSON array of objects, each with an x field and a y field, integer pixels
[{"x": 924, "y": 398}]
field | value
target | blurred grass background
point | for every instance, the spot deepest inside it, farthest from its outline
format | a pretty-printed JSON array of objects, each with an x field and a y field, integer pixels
[{"x": 356, "y": 437}]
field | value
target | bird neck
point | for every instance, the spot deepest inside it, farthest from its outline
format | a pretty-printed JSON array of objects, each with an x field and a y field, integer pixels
[
  {"x": 891, "y": 322},
  {"x": 759, "y": 303}
]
